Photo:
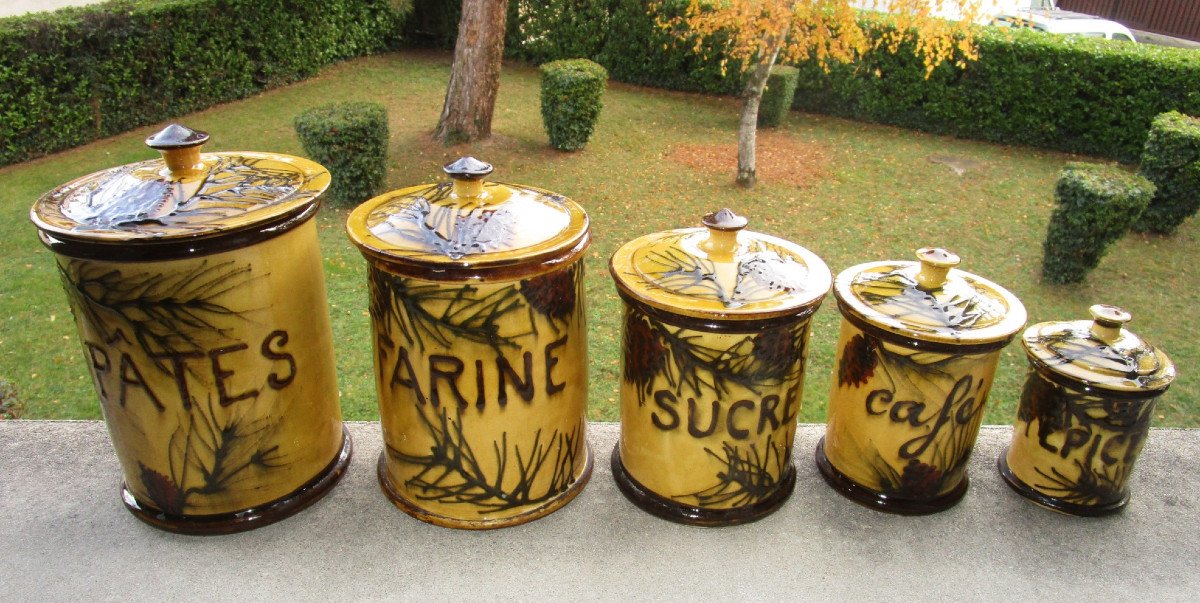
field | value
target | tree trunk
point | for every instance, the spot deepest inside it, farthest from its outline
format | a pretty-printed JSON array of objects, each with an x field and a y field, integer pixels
[
  {"x": 475, "y": 76},
  {"x": 748, "y": 124}
]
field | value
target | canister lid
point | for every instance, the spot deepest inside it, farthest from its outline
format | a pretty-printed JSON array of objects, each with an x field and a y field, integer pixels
[
  {"x": 930, "y": 301},
  {"x": 721, "y": 271},
  {"x": 183, "y": 195},
  {"x": 1099, "y": 352},
  {"x": 468, "y": 223}
]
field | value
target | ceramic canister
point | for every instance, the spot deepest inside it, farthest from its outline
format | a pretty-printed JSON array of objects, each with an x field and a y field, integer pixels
[
  {"x": 1085, "y": 412},
  {"x": 716, "y": 326},
  {"x": 196, "y": 285},
  {"x": 917, "y": 352},
  {"x": 480, "y": 347}
]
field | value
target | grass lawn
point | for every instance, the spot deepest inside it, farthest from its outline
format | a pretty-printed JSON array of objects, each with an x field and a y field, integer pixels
[{"x": 850, "y": 192}]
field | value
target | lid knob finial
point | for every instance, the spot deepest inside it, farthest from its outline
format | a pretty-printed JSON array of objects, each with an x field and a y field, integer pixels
[
  {"x": 468, "y": 174},
  {"x": 1107, "y": 322},
  {"x": 723, "y": 227},
  {"x": 935, "y": 265},
  {"x": 180, "y": 148}
]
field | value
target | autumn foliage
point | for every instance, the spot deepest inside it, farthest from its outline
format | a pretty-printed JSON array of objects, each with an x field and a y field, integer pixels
[
  {"x": 825, "y": 30},
  {"x": 755, "y": 34}
]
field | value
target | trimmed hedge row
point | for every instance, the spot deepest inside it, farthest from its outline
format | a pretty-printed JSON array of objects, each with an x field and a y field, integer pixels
[
  {"x": 74, "y": 75},
  {"x": 1097, "y": 204},
  {"x": 622, "y": 36},
  {"x": 1067, "y": 93},
  {"x": 1171, "y": 161},
  {"x": 1056, "y": 92}
]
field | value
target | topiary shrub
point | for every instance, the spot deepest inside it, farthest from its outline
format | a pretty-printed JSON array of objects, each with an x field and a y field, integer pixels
[
  {"x": 777, "y": 97},
  {"x": 350, "y": 139},
  {"x": 1096, "y": 205},
  {"x": 571, "y": 101},
  {"x": 1171, "y": 160}
]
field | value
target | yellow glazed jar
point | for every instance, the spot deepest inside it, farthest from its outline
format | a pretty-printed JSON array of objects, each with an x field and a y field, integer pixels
[
  {"x": 716, "y": 327},
  {"x": 917, "y": 352},
  {"x": 1085, "y": 412},
  {"x": 195, "y": 281},
  {"x": 477, "y": 310}
]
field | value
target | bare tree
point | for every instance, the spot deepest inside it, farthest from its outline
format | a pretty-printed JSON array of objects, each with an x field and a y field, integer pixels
[{"x": 475, "y": 76}]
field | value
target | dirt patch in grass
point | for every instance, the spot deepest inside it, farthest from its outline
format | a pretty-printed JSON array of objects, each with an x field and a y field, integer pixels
[{"x": 781, "y": 158}]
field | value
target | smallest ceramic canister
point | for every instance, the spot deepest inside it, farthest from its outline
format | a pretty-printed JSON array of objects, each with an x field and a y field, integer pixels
[{"x": 1085, "y": 412}]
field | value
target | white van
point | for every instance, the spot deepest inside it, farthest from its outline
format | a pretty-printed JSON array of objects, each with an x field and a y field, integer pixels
[
  {"x": 988, "y": 9},
  {"x": 1065, "y": 22}
]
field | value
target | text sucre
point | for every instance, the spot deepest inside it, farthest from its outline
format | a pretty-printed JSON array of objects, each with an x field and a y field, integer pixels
[{"x": 738, "y": 419}]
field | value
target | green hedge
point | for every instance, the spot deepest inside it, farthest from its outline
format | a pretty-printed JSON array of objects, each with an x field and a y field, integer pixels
[
  {"x": 1056, "y": 92},
  {"x": 1066, "y": 93},
  {"x": 1171, "y": 161},
  {"x": 351, "y": 141},
  {"x": 572, "y": 96},
  {"x": 74, "y": 75},
  {"x": 1097, "y": 204},
  {"x": 778, "y": 95}
]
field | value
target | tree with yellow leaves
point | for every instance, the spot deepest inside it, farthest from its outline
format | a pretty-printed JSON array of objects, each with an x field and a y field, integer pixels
[{"x": 759, "y": 33}]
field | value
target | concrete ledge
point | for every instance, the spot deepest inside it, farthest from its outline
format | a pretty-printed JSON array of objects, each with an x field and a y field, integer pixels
[{"x": 65, "y": 536}]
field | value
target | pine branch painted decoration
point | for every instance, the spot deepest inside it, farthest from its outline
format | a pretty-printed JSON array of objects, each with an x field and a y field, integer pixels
[
  {"x": 454, "y": 473},
  {"x": 747, "y": 476},
  {"x": 429, "y": 314},
  {"x": 209, "y": 455},
  {"x": 164, "y": 312}
]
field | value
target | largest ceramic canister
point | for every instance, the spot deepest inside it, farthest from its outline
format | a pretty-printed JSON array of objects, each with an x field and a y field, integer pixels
[
  {"x": 480, "y": 347},
  {"x": 915, "y": 360},
  {"x": 716, "y": 326},
  {"x": 196, "y": 285}
]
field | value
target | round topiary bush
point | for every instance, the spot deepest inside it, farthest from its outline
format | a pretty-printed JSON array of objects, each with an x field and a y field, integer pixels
[
  {"x": 1097, "y": 204},
  {"x": 571, "y": 101},
  {"x": 350, "y": 139},
  {"x": 778, "y": 95}
]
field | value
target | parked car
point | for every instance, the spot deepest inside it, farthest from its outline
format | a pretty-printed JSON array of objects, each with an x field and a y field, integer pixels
[{"x": 1065, "y": 22}]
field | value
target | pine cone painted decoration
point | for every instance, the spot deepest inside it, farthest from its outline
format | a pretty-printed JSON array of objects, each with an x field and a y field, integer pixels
[
  {"x": 777, "y": 351},
  {"x": 552, "y": 294},
  {"x": 1046, "y": 403},
  {"x": 858, "y": 360},
  {"x": 162, "y": 491},
  {"x": 919, "y": 480},
  {"x": 645, "y": 353}
]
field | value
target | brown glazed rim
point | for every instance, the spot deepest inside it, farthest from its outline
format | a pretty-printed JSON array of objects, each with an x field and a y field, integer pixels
[
  {"x": 1092, "y": 389},
  {"x": 1050, "y": 502},
  {"x": 525, "y": 267},
  {"x": 871, "y": 499},
  {"x": 254, "y": 517},
  {"x": 712, "y": 325},
  {"x": 670, "y": 510},
  {"x": 445, "y": 521},
  {"x": 920, "y": 344},
  {"x": 206, "y": 243}
]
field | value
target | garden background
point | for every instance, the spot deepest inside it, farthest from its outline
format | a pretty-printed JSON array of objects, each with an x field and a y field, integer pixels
[{"x": 662, "y": 156}]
